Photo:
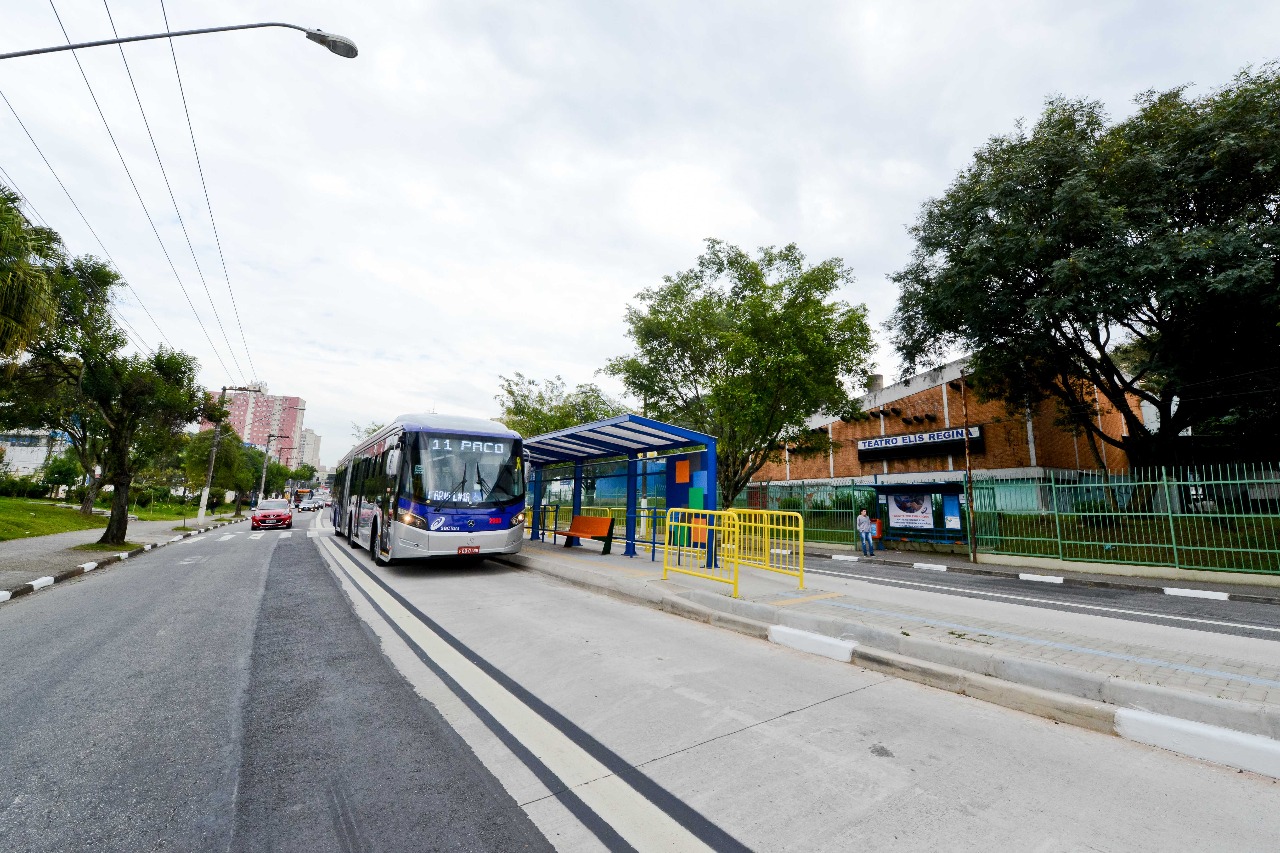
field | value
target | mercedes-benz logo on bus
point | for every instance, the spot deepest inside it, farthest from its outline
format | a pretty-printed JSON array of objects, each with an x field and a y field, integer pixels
[{"x": 471, "y": 522}]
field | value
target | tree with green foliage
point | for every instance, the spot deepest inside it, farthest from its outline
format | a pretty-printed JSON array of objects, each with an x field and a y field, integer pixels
[
  {"x": 746, "y": 349},
  {"x": 532, "y": 407},
  {"x": 63, "y": 469},
  {"x": 226, "y": 467},
  {"x": 359, "y": 433},
  {"x": 1140, "y": 258},
  {"x": 304, "y": 473},
  {"x": 142, "y": 401},
  {"x": 26, "y": 293}
]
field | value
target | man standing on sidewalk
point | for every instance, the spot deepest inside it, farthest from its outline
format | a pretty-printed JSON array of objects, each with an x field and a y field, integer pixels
[{"x": 864, "y": 534}]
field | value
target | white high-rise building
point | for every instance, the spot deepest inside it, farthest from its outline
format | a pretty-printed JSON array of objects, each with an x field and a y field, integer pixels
[{"x": 310, "y": 447}]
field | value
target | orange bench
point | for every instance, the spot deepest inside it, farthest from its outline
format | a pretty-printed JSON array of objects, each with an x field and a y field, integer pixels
[{"x": 590, "y": 527}]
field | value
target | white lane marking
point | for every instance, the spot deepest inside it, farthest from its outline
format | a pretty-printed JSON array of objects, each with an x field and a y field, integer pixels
[
  {"x": 1041, "y": 578},
  {"x": 1196, "y": 593},
  {"x": 932, "y": 567},
  {"x": 41, "y": 583},
  {"x": 286, "y": 534},
  {"x": 633, "y": 816},
  {"x": 224, "y": 537},
  {"x": 1049, "y": 601},
  {"x": 312, "y": 534},
  {"x": 255, "y": 535}
]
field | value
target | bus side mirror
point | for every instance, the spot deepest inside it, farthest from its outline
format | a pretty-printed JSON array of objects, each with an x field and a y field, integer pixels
[{"x": 393, "y": 462}]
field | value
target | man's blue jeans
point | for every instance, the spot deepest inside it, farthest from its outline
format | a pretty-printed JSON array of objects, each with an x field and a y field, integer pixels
[{"x": 868, "y": 546}]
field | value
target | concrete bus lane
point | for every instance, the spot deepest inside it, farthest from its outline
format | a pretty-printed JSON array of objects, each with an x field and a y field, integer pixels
[
  {"x": 718, "y": 739},
  {"x": 220, "y": 694}
]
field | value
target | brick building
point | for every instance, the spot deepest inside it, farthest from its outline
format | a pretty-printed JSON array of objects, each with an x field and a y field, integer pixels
[
  {"x": 255, "y": 415},
  {"x": 912, "y": 431}
]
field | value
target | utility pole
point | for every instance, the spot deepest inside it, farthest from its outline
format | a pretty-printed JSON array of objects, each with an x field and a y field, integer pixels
[
  {"x": 213, "y": 451},
  {"x": 266, "y": 457},
  {"x": 968, "y": 470}
]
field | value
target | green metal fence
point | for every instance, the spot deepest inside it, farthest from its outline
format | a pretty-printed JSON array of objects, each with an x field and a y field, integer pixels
[
  {"x": 830, "y": 511},
  {"x": 1224, "y": 518}
]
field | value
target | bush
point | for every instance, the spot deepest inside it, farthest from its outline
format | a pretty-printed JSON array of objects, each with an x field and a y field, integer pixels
[{"x": 22, "y": 487}]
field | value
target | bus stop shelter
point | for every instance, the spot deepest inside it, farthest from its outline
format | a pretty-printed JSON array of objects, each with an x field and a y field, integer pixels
[{"x": 624, "y": 436}]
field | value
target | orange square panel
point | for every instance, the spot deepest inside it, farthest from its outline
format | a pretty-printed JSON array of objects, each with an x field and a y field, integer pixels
[{"x": 682, "y": 470}]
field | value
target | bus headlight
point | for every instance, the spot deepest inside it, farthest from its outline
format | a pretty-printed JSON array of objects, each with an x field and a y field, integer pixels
[
  {"x": 412, "y": 520},
  {"x": 517, "y": 519}
]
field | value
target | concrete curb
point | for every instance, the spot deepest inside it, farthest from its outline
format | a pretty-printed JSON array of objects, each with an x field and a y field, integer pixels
[
  {"x": 1238, "y": 734},
  {"x": 1065, "y": 580},
  {"x": 102, "y": 562}
]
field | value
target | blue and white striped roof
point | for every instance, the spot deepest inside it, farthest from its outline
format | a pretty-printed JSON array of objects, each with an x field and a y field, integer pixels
[{"x": 620, "y": 436}]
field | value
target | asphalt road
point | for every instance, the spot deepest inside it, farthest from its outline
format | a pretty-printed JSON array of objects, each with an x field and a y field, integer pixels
[
  {"x": 220, "y": 694},
  {"x": 1241, "y": 618}
]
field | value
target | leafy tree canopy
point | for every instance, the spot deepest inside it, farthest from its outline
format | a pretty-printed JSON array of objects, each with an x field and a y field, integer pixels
[
  {"x": 746, "y": 349},
  {"x": 359, "y": 433},
  {"x": 304, "y": 473},
  {"x": 26, "y": 294},
  {"x": 1139, "y": 256},
  {"x": 532, "y": 407}
]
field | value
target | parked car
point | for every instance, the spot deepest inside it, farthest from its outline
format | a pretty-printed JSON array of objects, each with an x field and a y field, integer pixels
[{"x": 272, "y": 513}]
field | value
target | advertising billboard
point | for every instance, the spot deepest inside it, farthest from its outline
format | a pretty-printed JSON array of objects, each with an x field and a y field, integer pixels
[{"x": 915, "y": 511}]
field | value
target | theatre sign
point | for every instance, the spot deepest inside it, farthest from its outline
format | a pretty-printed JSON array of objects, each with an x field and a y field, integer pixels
[{"x": 935, "y": 443}]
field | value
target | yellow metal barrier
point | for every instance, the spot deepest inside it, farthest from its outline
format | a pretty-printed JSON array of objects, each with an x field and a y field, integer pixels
[
  {"x": 702, "y": 543},
  {"x": 771, "y": 540}
]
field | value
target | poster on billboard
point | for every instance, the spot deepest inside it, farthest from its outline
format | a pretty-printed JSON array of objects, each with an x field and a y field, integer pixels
[{"x": 911, "y": 511}]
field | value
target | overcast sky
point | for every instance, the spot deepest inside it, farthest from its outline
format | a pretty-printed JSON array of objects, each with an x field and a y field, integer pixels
[{"x": 486, "y": 187}]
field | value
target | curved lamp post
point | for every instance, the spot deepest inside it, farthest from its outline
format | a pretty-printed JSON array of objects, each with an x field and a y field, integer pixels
[{"x": 340, "y": 45}]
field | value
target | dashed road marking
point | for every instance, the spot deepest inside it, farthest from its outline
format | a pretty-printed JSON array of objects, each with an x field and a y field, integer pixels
[
  {"x": 226, "y": 536},
  {"x": 255, "y": 535},
  {"x": 286, "y": 534}
]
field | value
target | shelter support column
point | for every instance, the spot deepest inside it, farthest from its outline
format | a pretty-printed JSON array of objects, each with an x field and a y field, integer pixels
[
  {"x": 577, "y": 498},
  {"x": 630, "y": 549},
  {"x": 536, "y": 524}
]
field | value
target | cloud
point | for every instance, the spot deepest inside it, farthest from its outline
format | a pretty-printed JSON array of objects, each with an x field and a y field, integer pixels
[{"x": 486, "y": 187}]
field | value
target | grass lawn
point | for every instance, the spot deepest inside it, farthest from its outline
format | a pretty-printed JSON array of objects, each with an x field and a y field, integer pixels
[
  {"x": 20, "y": 518},
  {"x": 97, "y": 546}
]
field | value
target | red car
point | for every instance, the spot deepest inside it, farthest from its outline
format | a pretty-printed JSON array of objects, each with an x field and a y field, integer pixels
[{"x": 272, "y": 513}]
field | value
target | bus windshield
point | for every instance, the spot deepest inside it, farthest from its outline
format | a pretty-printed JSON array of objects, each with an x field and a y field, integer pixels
[{"x": 464, "y": 470}]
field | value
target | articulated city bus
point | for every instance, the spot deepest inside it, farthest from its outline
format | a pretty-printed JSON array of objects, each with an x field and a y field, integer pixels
[{"x": 432, "y": 486}]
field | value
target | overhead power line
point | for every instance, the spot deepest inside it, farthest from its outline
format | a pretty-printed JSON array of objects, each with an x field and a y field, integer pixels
[
  {"x": 164, "y": 249},
  {"x": 176, "y": 210},
  {"x": 217, "y": 239},
  {"x": 83, "y": 218}
]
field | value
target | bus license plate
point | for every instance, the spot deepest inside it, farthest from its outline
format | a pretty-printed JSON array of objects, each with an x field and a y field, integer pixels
[{"x": 468, "y": 549}]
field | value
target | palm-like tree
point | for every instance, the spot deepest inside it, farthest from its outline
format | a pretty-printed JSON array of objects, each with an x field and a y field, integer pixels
[{"x": 26, "y": 295}]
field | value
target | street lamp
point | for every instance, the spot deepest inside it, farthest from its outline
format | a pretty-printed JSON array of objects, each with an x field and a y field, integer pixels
[
  {"x": 213, "y": 450},
  {"x": 341, "y": 45}
]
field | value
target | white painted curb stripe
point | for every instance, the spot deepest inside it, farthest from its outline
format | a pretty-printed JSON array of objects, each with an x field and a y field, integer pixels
[
  {"x": 845, "y": 557},
  {"x": 124, "y": 555},
  {"x": 779, "y": 551},
  {"x": 88, "y": 567},
  {"x": 1196, "y": 593},
  {"x": 146, "y": 547},
  {"x": 814, "y": 644},
  {"x": 933, "y": 567},
  {"x": 624, "y": 808},
  {"x": 1040, "y": 578},
  {"x": 1200, "y": 740},
  {"x": 41, "y": 583},
  {"x": 4, "y": 595}
]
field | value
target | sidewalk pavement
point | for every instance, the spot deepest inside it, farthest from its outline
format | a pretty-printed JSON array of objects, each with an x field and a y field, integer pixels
[
  {"x": 24, "y": 560},
  {"x": 1082, "y": 669},
  {"x": 1263, "y": 588}
]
